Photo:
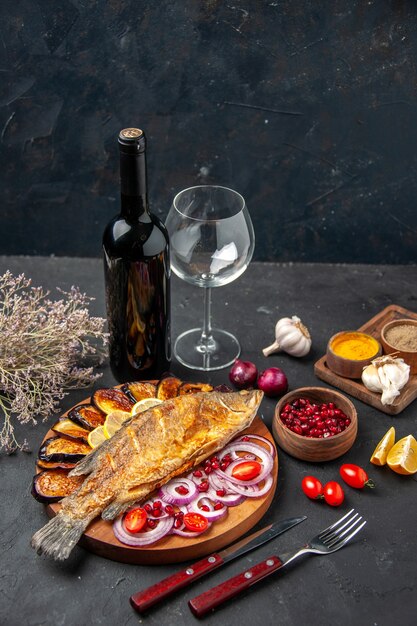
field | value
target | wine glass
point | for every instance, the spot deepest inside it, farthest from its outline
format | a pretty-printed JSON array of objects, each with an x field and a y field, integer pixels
[{"x": 212, "y": 242}]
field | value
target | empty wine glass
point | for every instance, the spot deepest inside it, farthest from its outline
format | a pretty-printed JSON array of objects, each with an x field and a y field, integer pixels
[{"x": 212, "y": 242}]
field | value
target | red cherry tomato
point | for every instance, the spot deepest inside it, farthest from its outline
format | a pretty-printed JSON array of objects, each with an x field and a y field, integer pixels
[
  {"x": 135, "y": 520},
  {"x": 333, "y": 493},
  {"x": 355, "y": 476},
  {"x": 195, "y": 522},
  {"x": 247, "y": 470},
  {"x": 312, "y": 487}
]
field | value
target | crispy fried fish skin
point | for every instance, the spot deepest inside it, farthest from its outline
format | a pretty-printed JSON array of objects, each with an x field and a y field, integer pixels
[{"x": 150, "y": 449}]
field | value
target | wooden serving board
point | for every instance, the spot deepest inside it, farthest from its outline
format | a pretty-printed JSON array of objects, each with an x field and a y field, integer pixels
[
  {"x": 355, "y": 387},
  {"x": 100, "y": 539}
]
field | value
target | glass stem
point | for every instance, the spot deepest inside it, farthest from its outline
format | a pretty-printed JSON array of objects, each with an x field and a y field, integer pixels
[{"x": 206, "y": 343}]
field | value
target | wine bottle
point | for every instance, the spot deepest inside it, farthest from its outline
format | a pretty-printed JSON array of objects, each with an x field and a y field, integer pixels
[{"x": 137, "y": 273}]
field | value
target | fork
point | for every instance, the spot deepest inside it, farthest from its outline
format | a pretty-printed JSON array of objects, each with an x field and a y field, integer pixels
[{"x": 327, "y": 541}]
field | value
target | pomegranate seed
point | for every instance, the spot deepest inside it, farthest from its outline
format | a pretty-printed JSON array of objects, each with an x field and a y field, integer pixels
[
  {"x": 157, "y": 504},
  {"x": 182, "y": 490},
  {"x": 215, "y": 465},
  {"x": 157, "y": 512},
  {"x": 151, "y": 523},
  {"x": 208, "y": 470},
  {"x": 218, "y": 506},
  {"x": 245, "y": 438},
  {"x": 202, "y": 487},
  {"x": 178, "y": 523},
  {"x": 204, "y": 507},
  {"x": 169, "y": 509},
  {"x": 148, "y": 508},
  {"x": 221, "y": 492},
  {"x": 198, "y": 473},
  {"x": 179, "y": 515}
]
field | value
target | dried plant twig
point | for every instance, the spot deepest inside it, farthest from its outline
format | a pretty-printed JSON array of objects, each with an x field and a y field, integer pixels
[{"x": 44, "y": 345}]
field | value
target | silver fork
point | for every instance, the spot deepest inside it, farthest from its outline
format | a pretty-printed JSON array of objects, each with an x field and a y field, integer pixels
[{"x": 327, "y": 541}]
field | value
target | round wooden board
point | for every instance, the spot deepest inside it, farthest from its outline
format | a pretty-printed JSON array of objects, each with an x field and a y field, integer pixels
[{"x": 100, "y": 539}]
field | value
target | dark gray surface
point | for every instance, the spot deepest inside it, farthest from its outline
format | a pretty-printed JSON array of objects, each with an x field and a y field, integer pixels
[
  {"x": 306, "y": 108},
  {"x": 371, "y": 582}
]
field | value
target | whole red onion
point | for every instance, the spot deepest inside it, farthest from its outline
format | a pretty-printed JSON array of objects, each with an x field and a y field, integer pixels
[
  {"x": 243, "y": 374},
  {"x": 273, "y": 382}
]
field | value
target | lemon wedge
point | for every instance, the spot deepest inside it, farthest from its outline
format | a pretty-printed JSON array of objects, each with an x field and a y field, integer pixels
[
  {"x": 96, "y": 437},
  {"x": 144, "y": 405},
  {"x": 114, "y": 422},
  {"x": 402, "y": 458},
  {"x": 379, "y": 455}
]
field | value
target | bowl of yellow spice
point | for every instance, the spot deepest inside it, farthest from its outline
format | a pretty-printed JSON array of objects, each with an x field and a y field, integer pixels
[
  {"x": 399, "y": 338},
  {"x": 349, "y": 351}
]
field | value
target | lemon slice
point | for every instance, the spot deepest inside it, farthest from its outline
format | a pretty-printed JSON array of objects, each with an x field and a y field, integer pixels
[
  {"x": 379, "y": 455},
  {"x": 144, "y": 405},
  {"x": 114, "y": 422},
  {"x": 402, "y": 458},
  {"x": 96, "y": 437}
]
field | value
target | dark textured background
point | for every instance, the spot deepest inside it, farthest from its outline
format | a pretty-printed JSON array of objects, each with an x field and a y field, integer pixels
[{"x": 307, "y": 108}]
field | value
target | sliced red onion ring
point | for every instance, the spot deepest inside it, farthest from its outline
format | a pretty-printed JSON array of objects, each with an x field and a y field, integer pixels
[
  {"x": 229, "y": 499},
  {"x": 211, "y": 515},
  {"x": 264, "y": 455},
  {"x": 168, "y": 493},
  {"x": 260, "y": 438},
  {"x": 143, "y": 538},
  {"x": 244, "y": 490},
  {"x": 253, "y": 491}
]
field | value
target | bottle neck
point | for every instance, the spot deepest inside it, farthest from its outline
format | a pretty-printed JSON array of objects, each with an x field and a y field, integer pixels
[{"x": 133, "y": 186}]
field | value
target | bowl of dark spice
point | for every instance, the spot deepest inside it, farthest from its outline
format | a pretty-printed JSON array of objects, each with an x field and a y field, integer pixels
[{"x": 399, "y": 337}]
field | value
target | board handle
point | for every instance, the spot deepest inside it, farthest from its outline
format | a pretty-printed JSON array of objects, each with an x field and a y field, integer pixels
[
  {"x": 211, "y": 599},
  {"x": 144, "y": 600}
]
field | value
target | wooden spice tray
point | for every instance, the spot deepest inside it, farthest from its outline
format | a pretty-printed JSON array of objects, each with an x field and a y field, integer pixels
[{"x": 355, "y": 387}]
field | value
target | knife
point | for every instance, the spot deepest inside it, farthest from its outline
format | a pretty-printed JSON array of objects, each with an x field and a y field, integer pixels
[{"x": 143, "y": 600}]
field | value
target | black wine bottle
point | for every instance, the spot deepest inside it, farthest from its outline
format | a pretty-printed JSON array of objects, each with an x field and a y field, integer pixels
[{"x": 137, "y": 273}]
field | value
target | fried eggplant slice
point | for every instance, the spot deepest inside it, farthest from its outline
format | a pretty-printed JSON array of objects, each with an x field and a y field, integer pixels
[
  {"x": 87, "y": 415},
  {"x": 54, "y": 465},
  {"x": 109, "y": 400},
  {"x": 68, "y": 428},
  {"x": 54, "y": 484},
  {"x": 58, "y": 449},
  {"x": 193, "y": 388},
  {"x": 168, "y": 388},
  {"x": 139, "y": 391}
]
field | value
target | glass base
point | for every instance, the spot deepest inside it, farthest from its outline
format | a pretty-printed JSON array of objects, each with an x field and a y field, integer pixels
[{"x": 218, "y": 351}]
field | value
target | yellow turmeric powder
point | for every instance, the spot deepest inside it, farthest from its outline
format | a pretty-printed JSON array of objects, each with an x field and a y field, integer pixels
[{"x": 355, "y": 346}]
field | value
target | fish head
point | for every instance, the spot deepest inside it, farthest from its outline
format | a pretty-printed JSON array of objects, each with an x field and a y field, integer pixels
[{"x": 242, "y": 405}]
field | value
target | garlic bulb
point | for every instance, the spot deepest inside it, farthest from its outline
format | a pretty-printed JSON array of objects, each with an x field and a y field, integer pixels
[
  {"x": 386, "y": 375},
  {"x": 291, "y": 336}
]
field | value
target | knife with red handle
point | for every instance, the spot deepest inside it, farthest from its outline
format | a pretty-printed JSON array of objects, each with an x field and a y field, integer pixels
[{"x": 144, "y": 600}]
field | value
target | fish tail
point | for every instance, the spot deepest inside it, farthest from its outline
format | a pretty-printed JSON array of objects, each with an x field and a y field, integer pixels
[{"x": 58, "y": 537}]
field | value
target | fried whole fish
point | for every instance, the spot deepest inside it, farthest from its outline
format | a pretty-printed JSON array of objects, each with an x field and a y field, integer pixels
[{"x": 150, "y": 449}]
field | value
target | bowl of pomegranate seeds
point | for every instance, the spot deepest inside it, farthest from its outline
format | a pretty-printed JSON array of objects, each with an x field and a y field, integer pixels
[{"x": 315, "y": 424}]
